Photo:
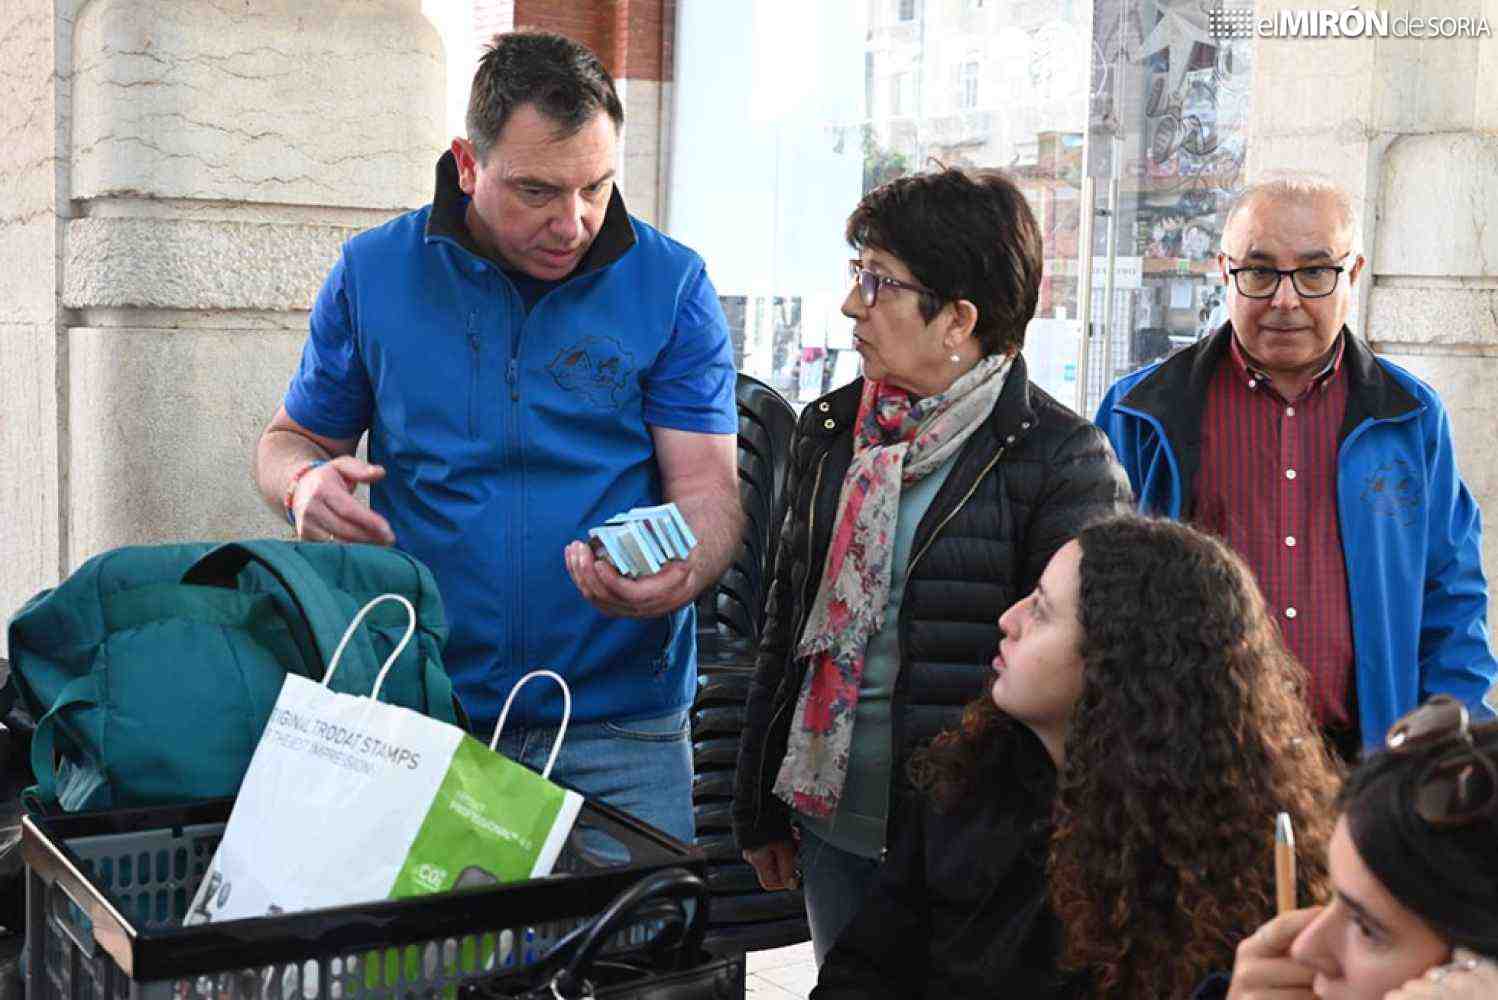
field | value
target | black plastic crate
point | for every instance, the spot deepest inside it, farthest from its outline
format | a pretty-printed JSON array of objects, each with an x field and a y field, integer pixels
[{"x": 106, "y": 893}]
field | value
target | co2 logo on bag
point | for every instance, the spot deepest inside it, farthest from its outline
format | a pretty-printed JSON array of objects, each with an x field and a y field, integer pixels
[{"x": 430, "y": 877}]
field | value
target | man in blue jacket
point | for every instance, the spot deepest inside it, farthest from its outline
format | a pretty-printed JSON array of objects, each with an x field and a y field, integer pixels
[
  {"x": 528, "y": 360},
  {"x": 1330, "y": 470}
]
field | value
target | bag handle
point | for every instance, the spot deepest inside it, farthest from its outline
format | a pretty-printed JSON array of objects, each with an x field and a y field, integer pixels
[
  {"x": 79, "y": 691},
  {"x": 675, "y": 884},
  {"x": 400, "y": 647},
  {"x": 309, "y": 593},
  {"x": 556, "y": 744}
]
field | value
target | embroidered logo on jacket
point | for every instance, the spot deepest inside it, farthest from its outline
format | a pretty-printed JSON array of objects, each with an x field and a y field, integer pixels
[
  {"x": 596, "y": 368},
  {"x": 1392, "y": 490}
]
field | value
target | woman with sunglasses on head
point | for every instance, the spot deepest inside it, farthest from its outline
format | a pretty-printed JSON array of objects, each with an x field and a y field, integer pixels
[
  {"x": 1414, "y": 874},
  {"x": 1097, "y": 827},
  {"x": 919, "y": 498}
]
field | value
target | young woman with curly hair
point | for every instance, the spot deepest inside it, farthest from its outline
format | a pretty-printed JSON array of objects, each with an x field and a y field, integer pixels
[{"x": 1101, "y": 825}]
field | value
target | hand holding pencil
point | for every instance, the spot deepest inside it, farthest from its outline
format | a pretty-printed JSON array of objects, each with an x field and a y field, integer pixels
[
  {"x": 1263, "y": 965},
  {"x": 1284, "y": 863}
]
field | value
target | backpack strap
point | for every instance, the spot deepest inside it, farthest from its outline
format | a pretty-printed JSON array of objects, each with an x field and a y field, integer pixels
[
  {"x": 81, "y": 691},
  {"x": 309, "y": 594},
  {"x": 441, "y": 703}
]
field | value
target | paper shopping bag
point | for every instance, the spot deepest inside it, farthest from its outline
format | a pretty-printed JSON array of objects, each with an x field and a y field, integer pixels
[{"x": 348, "y": 800}]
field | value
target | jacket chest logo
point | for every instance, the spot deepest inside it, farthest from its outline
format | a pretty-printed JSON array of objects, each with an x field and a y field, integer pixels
[
  {"x": 1392, "y": 490},
  {"x": 598, "y": 369}
]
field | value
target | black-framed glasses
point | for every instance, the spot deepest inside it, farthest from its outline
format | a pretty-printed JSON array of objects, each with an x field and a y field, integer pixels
[
  {"x": 1459, "y": 786},
  {"x": 1313, "y": 282},
  {"x": 869, "y": 283}
]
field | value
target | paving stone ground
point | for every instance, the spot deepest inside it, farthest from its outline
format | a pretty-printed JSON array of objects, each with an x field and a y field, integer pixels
[{"x": 782, "y": 973}]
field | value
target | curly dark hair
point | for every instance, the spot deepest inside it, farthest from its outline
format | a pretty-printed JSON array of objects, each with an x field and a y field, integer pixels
[
  {"x": 1191, "y": 733},
  {"x": 964, "y": 234},
  {"x": 1448, "y": 877}
]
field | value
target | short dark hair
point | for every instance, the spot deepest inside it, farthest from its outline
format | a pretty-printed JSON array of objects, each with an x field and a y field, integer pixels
[
  {"x": 1446, "y": 877},
  {"x": 964, "y": 234},
  {"x": 563, "y": 79}
]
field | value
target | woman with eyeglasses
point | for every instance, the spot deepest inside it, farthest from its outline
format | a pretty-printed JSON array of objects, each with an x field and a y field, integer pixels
[
  {"x": 1097, "y": 827},
  {"x": 1413, "y": 913},
  {"x": 920, "y": 498}
]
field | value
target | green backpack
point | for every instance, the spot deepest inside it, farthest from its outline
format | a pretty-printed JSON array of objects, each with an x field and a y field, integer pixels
[{"x": 152, "y": 670}]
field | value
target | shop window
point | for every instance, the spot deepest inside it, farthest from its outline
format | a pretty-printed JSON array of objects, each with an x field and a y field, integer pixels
[
  {"x": 1168, "y": 119},
  {"x": 967, "y": 86},
  {"x": 899, "y": 101},
  {"x": 1160, "y": 105}
]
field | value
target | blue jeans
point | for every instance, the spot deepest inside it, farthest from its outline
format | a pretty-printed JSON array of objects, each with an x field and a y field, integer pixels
[
  {"x": 834, "y": 883},
  {"x": 642, "y": 767}
]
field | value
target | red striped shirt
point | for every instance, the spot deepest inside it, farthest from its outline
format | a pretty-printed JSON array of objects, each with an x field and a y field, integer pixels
[{"x": 1267, "y": 484}]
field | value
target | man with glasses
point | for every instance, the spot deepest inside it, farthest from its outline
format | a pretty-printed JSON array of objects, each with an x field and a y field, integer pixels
[{"x": 1330, "y": 470}]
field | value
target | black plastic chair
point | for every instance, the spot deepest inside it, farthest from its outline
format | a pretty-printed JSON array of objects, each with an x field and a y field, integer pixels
[
  {"x": 722, "y": 751},
  {"x": 722, "y": 688},
  {"x": 734, "y": 606},
  {"x": 730, "y": 615}
]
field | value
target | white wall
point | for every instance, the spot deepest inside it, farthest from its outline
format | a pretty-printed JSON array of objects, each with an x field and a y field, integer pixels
[
  {"x": 756, "y": 185},
  {"x": 453, "y": 20}
]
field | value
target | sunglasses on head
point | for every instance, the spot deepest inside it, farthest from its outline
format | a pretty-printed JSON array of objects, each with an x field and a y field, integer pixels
[{"x": 1459, "y": 786}]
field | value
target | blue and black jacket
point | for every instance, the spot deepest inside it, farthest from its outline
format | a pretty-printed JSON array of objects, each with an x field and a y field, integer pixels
[
  {"x": 1411, "y": 532},
  {"x": 507, "y": 432}
]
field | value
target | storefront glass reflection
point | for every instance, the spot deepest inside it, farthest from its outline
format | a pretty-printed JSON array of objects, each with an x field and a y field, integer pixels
[
  {"x": 766, "y": 164},
  {"x": 1167, "y": 127}
]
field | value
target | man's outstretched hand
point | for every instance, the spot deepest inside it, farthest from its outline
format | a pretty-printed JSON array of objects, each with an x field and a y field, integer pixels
[
  {"x": 326, "y": 509},
  {"x": 614, "y": 594}
]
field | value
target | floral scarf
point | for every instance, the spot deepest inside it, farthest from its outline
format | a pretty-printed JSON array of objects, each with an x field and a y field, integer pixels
[{"x": 896, "y": 441}]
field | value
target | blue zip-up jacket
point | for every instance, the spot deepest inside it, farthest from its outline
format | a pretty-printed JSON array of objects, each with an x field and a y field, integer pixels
[
  {"x": 1411, "y": 532},
  {"x": 506, "y": 435}
]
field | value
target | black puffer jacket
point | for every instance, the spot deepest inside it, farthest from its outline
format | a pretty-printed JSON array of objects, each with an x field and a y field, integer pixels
[
  {"x": 960, "y": 908},
  {"x": 1024, "y": 484}
]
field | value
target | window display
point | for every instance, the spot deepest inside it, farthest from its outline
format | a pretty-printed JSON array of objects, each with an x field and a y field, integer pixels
[
  {"x": 1167, "y": 125},
  {"x": 886, "y": 88}
]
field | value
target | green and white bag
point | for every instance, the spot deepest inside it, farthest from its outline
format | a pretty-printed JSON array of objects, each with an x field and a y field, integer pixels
[{"x": 348, "y": 800}]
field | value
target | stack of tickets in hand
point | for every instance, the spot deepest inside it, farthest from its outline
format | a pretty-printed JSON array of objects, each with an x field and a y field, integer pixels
[{"x": 640, "y": 541}]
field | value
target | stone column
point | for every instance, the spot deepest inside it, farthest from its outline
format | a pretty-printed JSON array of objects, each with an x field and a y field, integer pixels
[
  {"x": 1410, "y": 126},
  {"x": 643, "y": 36},
  {"x": 184, "y": 173},
  {"x": 34, "y": 35}
]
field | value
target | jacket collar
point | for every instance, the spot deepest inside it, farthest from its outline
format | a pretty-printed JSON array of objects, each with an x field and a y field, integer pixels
[
  {"x": 828, "y": 422},
  {"x": 450, "y": 206},
  {"x": 1011, "y": 417},
  {"x": 1371, "y": 391},
  {"x": 1175, "y": 393}
]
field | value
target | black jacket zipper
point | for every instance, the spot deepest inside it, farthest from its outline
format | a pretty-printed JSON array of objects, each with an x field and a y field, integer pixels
[{"x": 897, "y": 700}]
